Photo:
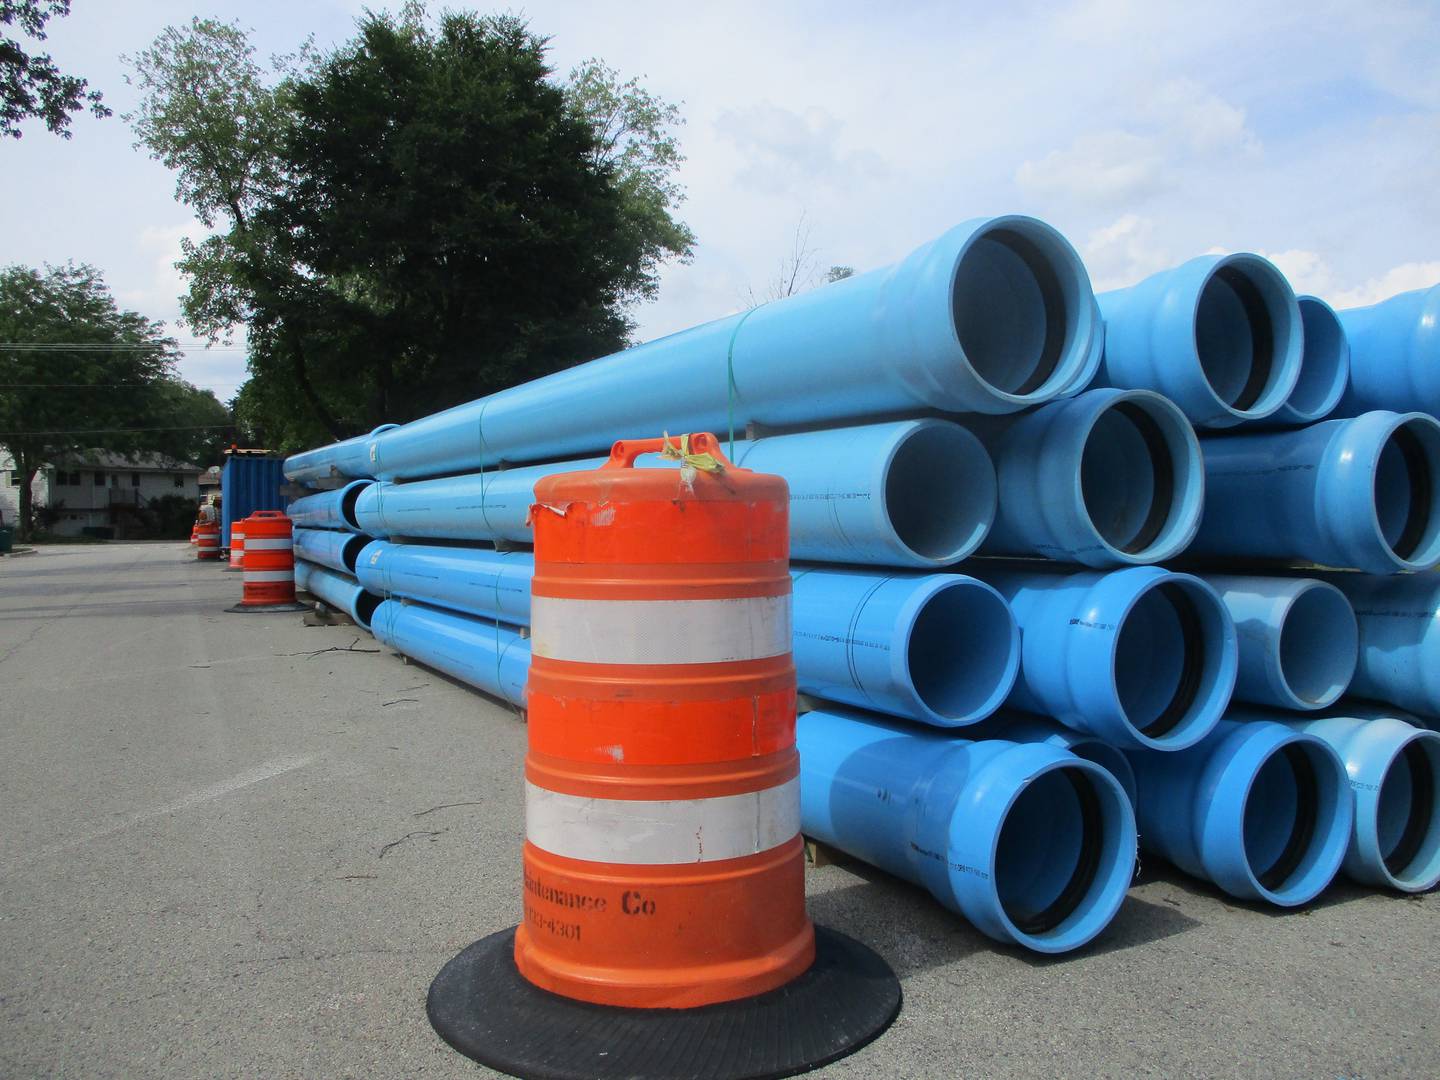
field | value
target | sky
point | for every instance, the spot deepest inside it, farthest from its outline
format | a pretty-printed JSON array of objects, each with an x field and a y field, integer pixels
[{"x": 1148, "y": 132}]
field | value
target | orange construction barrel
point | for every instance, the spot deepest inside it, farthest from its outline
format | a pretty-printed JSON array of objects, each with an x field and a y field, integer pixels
[
  {"x": 207, "y": 540},
  {"x": 268, "y": 565},
  {"x": 663, "y": 864},
  {"x": 237, "y": 547}
]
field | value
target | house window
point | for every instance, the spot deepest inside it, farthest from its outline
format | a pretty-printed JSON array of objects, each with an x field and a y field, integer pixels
[
  {"x": 134, "y": 479},
  {"x": 14, "y": 479},
  {"x": 99, "y": 479},
  {"x": 179, "y": 481},
  {"x": 75, "y": 479}
]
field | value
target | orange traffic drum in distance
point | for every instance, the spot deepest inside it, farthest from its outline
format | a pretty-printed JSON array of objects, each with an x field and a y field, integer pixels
[
  {"x": 237, "y": 547},
  {"x": 268, "y": 565},
  {"x": 207, "y": 540}
]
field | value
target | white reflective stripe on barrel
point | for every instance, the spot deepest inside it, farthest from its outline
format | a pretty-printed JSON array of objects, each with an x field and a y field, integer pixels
[
  {"x": 268, "y": 575},
  {"x": 660, "y": 631},
  {"x": 665, "y": 832},
  {"x": 277, "y": 544}
]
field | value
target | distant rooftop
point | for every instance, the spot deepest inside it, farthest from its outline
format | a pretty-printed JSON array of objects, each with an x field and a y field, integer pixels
[{"x": 105, "y": 459}]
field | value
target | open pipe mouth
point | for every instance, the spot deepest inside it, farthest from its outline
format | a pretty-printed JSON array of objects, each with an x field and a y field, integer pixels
[
  {"x": 350, "y": 551},
  {"x": 1296, "y": 821},
  {"x": 1324, "y": 364},
  {"x": 1319, "y": 646},
  {"x": 1280, "y": 817},
  {"x": 365, "y": 605},
  {"x": 1016, "y": 310},
  {"x": 349, "y": 497},
  {"x": 1064, "y": 856},
  {"x": 1245, "y": 334},
  {"x": 963, "y": 653},
  {"x": 939, "y": 493},
  {"x": 1407, "y": 476},
  {"x": 1169, "y": 662},
  {"x": 1111, "y": 759},
  {"x": 1140, "y": 479},
  {"x": 1407, "y": 823}
]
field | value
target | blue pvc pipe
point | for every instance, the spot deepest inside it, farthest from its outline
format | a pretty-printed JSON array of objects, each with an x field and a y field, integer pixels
[
  {"x": 336, "y": 550},
  {"x": 994, "y": 316},
  {"x": 349, "y": 457},
  {"x": 1362, "y": 493},
  {"x": 1324, "y": 368},
  {"x": 477, "y": 506},
  {"x": 328, "y": 509},
  {"x": 1109, "y": 478},
  {"x": 1393, "y": 768},
  {"x": 484, "y": 653},
  {"x": 1031, "y": 844},
  {"x": 915, "y": 493},
  {"x": 1298, "y": 640},
  {"x": 1394, "y": 354},
  {"x": 1219, "y": 335},
  {"x": 1260, "y": 810},
  {"x": 910, "y": 493},
  {"x": 1140, "y": 657},
  {"x": 939, "y": 648},
  {"x": 337, "y": 590},
  {"x": 470, "y": 580},
  {"x": 1399, "y": 621},
  {"x": 1019, "y": 727}
]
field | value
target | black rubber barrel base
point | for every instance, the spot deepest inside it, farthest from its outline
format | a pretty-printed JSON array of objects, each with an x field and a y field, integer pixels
[
  {"x": 482, "y": 1006},
  {"x": 264, "y": 609}
]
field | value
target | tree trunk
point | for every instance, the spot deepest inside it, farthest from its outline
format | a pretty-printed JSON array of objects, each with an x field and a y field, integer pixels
[
  {"x": 307, "y": 389},
  {"x": 25, "y": 527}
]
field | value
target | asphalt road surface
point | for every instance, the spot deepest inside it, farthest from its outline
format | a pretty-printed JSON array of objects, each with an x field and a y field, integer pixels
[{"x": 237, "y": 846}]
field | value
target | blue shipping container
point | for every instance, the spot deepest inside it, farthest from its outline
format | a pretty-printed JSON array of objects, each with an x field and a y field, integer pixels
[{"x": 248, "y": 482}]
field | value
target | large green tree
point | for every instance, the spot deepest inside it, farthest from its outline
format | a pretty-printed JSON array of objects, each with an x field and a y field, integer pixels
[
  {"x": 78, "y": 373},
  {"x": 31, "y": 84},
  {"x": 423, "y": 216}
]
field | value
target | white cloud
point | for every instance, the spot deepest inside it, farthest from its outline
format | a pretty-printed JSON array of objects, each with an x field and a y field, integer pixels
[
  {"x": 781, "y": 149},
  {"x": 1124, "y": 252},
  {"x": 1398, "y": 279},
  {"x": 157, "y": 292},
  {"x": 1105, "y": 169},
  {"x": 1307, "y": 271},
  {"x": 1199, "y": 121},
  {"x": 1179, "y": 124}
]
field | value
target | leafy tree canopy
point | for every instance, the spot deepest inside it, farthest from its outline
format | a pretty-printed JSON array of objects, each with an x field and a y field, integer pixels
[
  {"x": 423, "y": 216},
  {"x": 33, "y": 85},
  {"x": 78, "y": 374}
]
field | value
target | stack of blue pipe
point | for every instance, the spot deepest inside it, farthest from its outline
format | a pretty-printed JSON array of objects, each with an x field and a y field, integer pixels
[{"x": 1057, "y": 587}]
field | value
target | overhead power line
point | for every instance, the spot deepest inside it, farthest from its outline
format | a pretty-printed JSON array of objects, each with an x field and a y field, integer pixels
[
  {"x": 115, "y": 431},
  {"x": 95, "y": 385},
  {"x": 114, "y": 346}
]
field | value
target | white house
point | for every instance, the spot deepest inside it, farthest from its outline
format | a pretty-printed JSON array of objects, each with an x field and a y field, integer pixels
[{"x": 98, "y": 490}]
